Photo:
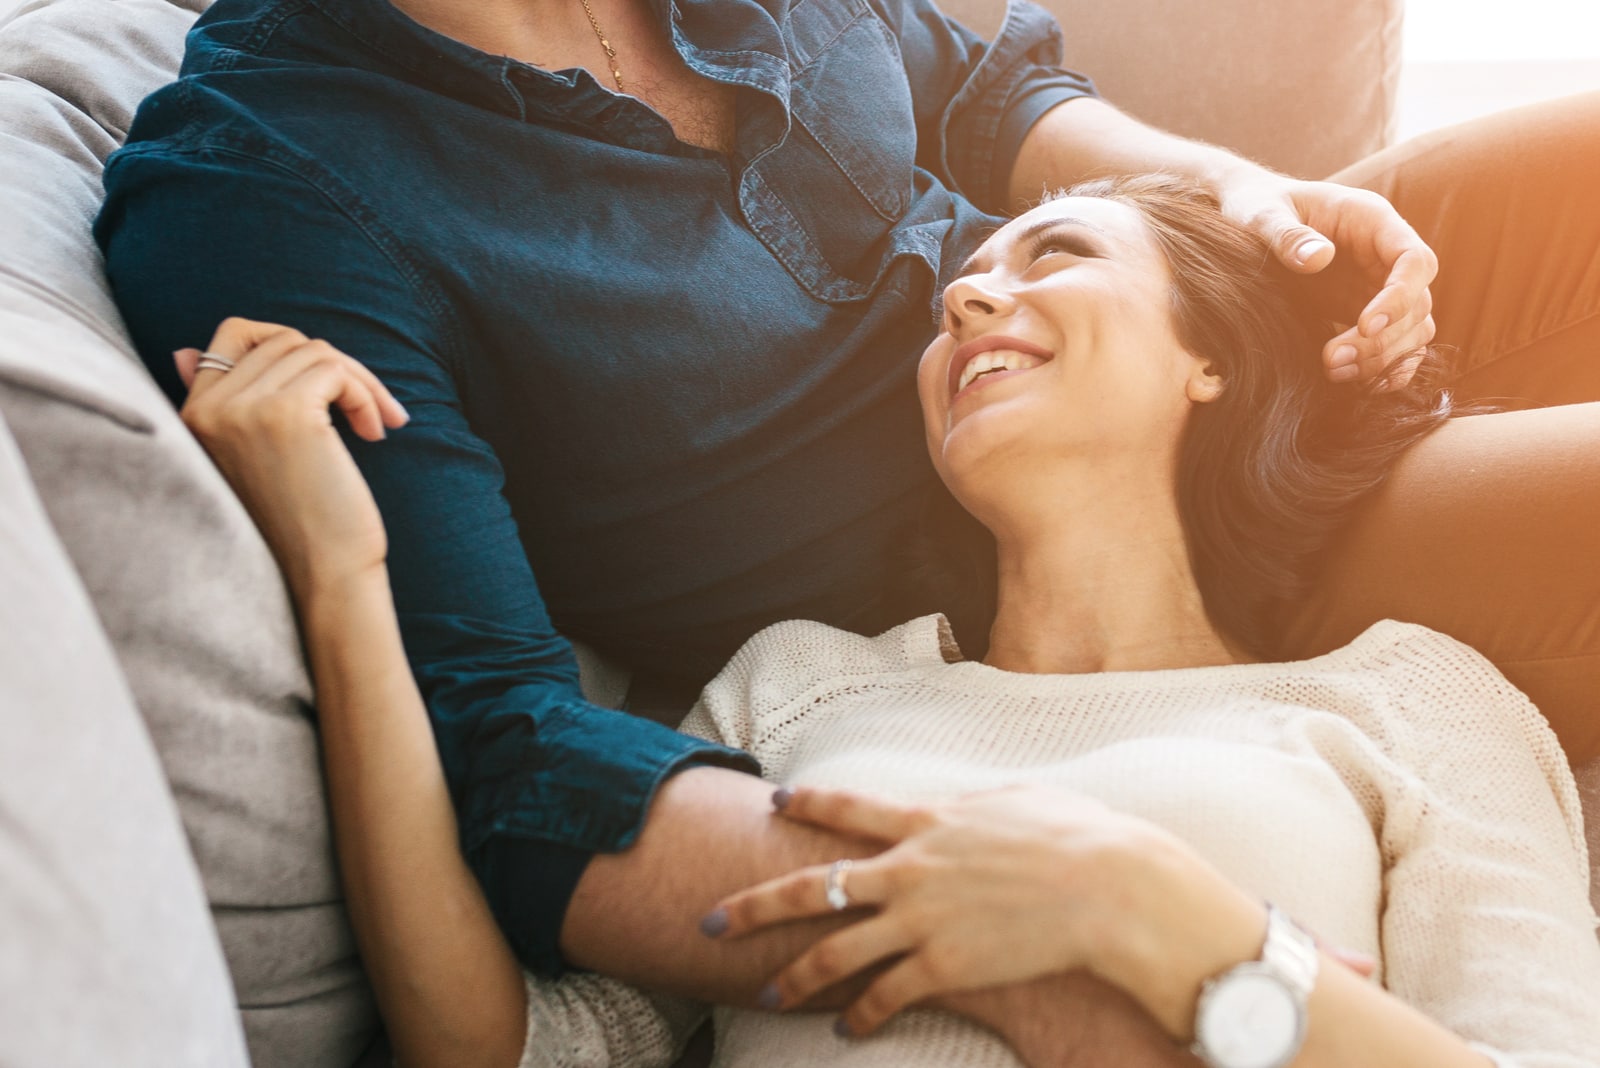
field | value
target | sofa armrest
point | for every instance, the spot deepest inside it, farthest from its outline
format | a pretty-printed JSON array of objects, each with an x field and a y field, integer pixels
[{"x": 1306, "y": 86}]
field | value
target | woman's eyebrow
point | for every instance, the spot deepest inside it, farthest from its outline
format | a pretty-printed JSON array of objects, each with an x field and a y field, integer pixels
[{"x": 976, "y": 261}]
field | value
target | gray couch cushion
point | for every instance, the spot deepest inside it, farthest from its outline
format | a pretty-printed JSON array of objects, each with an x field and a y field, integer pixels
[
  {"x": 109, "y": 954},
  {"x": 182, "y": 582}
]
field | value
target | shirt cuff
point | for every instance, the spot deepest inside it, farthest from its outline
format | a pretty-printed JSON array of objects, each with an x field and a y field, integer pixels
[
  {"x": 1038, "y": 97},
  {"x": 529, "y": 881},
  {"x": 1015, "y": 82}
]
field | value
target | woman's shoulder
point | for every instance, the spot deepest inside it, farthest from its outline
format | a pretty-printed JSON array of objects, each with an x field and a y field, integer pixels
[
  {"x": 1411, "y": 658},
  {"x": 798, "y": 660},
  {"x": 817, "y": 650},
  {"x": 1446, "y": 704}
]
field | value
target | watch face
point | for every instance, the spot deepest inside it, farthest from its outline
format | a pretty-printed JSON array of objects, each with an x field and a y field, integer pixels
[{"x": 1251, "y": 1020}]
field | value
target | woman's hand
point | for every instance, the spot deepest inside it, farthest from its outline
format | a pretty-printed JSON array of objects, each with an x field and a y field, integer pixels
[
  {"x": 997, "y": 888},
  {"x": 268, "y": 426}
]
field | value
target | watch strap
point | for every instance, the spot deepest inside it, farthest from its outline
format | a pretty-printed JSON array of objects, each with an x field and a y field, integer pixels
[
  {"x": 1290, "y": 951},
  {"x": 1289, "y": 955}
]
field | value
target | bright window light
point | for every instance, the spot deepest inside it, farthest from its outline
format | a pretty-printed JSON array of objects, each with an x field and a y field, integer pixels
[{"x": 1496, "y": 31}]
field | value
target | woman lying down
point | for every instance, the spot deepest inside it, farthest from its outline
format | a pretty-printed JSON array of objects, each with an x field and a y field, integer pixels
[{"x": 1124, "y": 398}]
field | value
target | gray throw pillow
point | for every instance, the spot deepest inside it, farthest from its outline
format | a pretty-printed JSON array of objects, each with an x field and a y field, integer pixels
[
  {"x": 183, "y": 585},
  {"x": 109, "y": 955}
]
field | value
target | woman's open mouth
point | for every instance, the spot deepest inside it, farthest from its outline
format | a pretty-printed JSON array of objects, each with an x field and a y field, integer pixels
[{"x": 987, "y": 358}]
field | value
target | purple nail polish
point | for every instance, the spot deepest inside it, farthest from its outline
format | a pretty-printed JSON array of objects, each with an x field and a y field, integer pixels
[
  {"x": 841, "y": 1027},
  {"x": 715, "y": 923},
  {"x": 769, "y": 998},
  {"x": 781, "y": 798}
]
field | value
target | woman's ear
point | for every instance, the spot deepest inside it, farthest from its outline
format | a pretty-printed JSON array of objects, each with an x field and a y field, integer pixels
[{"x": 1205, "y": 384}]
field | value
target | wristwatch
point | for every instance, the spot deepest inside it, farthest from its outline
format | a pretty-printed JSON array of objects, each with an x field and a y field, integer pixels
[{"x": 1254, "y": 1014}]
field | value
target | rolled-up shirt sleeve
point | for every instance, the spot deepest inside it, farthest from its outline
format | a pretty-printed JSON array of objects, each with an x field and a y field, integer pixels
[
  {"x": 976, "y": 100},
  {"x": 530, "y": 762}
]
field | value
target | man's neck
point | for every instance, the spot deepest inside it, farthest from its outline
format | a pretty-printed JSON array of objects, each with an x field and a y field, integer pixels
[{"x": 534, "y": 31}]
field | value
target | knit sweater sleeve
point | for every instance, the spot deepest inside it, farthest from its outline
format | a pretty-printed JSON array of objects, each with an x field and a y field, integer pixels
[
  {"x": 1487, "y": 925},
  {"x": 588, "y": 1021}
]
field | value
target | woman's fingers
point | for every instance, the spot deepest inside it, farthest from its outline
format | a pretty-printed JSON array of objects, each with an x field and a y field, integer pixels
[
  {"x": 914, "y": 979},
  {"x": 236, "y": 341},
  {"x": 360, "y": 397},
  {"x": 847, "y": 812},
  {"x": 392, "y": 412},
  {"x": 186, "y": 359},
  {"x": 796, "y": 896},
  {"x": 266, "y": 357},
  {"x": 835, "y": 959},
  {"x": 323, "y": 383}
]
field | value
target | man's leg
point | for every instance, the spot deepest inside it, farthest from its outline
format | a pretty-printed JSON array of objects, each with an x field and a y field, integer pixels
[{"x": 1490, "y": 531}]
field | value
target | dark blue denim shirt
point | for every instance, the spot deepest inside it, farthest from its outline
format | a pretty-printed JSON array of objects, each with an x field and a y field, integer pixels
[{"x": 676, "y": 385}]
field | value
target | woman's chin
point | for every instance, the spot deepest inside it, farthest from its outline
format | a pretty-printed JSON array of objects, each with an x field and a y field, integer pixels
[{"x": 977, "y": 453}]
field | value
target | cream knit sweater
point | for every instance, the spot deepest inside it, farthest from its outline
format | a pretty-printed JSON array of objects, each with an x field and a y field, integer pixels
[{"x": 1396, "y": 796}]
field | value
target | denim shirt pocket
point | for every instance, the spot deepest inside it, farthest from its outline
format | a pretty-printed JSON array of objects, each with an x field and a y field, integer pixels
[{"x": 825, "y": 200}]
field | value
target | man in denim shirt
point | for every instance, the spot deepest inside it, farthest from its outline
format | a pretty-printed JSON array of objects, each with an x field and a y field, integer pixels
[{"x": 651, "y": 279}]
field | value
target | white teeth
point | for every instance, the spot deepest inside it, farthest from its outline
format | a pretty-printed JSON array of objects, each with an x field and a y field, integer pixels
[{"x": 997, "y": 360}]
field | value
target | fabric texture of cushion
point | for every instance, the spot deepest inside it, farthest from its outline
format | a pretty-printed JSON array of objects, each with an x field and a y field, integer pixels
[
  {"x": 134, "y": 977},
  {"x": 183, "y": 584}
]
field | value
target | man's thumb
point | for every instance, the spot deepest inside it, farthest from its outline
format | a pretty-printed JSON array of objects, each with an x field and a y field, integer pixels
[{"x": 1302, "y": 248}]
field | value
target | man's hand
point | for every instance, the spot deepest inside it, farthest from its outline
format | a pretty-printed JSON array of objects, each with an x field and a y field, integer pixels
[
  {"x": 1372, "y": 270},
  {"x": 1072, "y": 1020},
  {"x": 1358, "y": 245}
]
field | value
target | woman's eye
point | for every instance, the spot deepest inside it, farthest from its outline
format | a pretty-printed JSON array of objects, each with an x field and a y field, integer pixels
[{"x": 1054, "y": 246}]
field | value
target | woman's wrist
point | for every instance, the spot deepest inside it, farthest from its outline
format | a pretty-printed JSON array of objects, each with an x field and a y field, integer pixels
[
  {"x": 1191, "y": 923},
  {"x": 327, "y": 597}
]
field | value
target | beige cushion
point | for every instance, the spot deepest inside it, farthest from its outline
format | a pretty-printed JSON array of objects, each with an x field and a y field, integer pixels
[
  {"x": 110, "y": 956},
  {"x": 180, "y": 578},
  {"x": 1307, "y": 87}
]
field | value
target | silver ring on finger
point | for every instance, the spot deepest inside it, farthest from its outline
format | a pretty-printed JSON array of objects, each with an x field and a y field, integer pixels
[
  {"x": 833, "y": 885},
  {"x": 210, "y": 361}
]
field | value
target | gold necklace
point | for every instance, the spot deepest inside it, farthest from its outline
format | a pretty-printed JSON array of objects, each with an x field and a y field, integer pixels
[{"x": 611, "y": 53}]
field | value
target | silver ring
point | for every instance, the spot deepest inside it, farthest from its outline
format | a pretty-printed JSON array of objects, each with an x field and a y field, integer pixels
[
  {"x": 210, "y": 361},
  {"x": 833, "y": 885}
]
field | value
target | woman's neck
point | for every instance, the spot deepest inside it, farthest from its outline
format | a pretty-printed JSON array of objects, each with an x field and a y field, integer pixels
[{"x": 1100, "y": 584}]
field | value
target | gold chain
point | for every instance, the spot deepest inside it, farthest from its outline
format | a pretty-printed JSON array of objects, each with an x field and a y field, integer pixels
[{"x": 611, "y": 53}]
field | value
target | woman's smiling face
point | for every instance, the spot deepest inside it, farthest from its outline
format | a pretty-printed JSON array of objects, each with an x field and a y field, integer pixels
[{"x": 1058, "y": 339}]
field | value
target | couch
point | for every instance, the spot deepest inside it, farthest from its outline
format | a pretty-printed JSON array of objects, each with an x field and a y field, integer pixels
[{"x": 162, "y": 752}]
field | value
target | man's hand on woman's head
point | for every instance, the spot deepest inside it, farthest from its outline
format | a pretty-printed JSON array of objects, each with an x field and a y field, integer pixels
[
  {"x": 267, "y": 424},
  {"x": 1371, "y": 266}
]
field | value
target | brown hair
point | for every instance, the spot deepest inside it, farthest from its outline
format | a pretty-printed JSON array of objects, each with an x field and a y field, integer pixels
[{"x": 1271, "y": 470}]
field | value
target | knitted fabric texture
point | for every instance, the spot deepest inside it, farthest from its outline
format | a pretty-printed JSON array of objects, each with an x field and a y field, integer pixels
[{"x": 1396, "y": 796}]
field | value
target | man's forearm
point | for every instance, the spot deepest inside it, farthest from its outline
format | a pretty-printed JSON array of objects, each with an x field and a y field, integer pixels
[
  {"x": 1072, "y": 1020},
  {"x": 1087, "y": 138},
  {"x": 636, "y": 914}
]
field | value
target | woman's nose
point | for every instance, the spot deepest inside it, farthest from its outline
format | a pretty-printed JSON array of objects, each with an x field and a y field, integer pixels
[{"x": 968, "y": 300}]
